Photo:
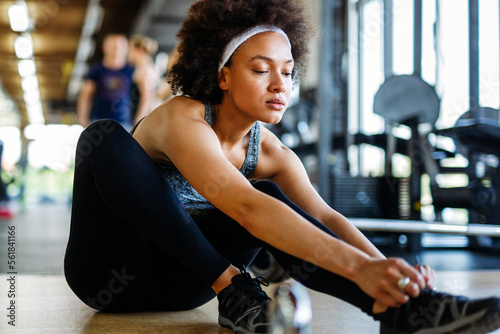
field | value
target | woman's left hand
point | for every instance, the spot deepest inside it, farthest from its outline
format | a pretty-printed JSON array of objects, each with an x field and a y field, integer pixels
[{"x": 428, "y": 274}]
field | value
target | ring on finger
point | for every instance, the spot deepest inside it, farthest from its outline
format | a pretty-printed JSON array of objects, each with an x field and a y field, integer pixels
[{"x": 403, "y": 282}]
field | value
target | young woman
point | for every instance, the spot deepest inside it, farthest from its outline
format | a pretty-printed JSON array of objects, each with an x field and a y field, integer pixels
[{"x": 163, "y": 220}]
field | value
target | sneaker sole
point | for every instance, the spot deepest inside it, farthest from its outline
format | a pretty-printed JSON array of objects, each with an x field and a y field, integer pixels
[
  {"x": 226, "y": 323},
  {"x": 479, "y": 323},
  {"x": 487, "y": 324}
]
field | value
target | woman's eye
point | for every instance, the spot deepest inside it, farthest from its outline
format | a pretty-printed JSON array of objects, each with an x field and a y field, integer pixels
[
  {"x": 260, "y": 72},
  {"x": 287, "y": 74}
]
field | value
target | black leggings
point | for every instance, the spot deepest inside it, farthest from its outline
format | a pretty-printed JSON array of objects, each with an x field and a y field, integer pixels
[{"x": 133, "y": 247}]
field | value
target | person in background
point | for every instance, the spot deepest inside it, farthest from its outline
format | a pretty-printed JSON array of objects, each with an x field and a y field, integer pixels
[
  {"x": 106, "y": 90},
  {"x": 164, "y": 90},
  {"x": 145, "y": 78}
]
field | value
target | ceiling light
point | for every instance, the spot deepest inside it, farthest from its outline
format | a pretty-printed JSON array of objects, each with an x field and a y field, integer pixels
[
  {"x": 31, "y": 97},
  {"x": 93, "y": 18},
  {"x": 26, "y": 67},
  {"x": 80, "y": 69},
  {"x": 74, "y": 87},
  {"x": 19, "y": 17},
  {"x": 35, "y": 113},
  {"x": 29, "y": 84},
  {"x": 33, "y": 131},
  {"x": 23, "y": 46},
  {"x": 86, "y": 47},
  {"x": 34, "y": 108},
  {"x": 36, "y": 119}
]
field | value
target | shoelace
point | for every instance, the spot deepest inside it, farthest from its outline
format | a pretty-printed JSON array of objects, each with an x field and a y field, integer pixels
[{"x": 252, "y": 286}]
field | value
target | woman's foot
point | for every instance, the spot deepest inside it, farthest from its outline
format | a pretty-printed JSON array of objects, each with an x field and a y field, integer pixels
[
  {"x": 436, "y": 313},
  {"x": 243, "y": 305}
]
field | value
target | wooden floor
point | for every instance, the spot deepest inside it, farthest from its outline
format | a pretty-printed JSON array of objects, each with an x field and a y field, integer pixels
[{"x": 44, "y": 304}]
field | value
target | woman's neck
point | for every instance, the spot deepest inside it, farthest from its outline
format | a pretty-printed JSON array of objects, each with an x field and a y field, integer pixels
[{"x": 230, "y": 124}]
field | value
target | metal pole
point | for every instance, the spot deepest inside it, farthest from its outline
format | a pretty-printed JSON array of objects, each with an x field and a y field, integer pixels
[
  {"x": 326, "y": 97},
  {"x": 388, "y": 71},
  {"x": 360, "y": 78},
  {"x": 388, "y": 40},
  {"x": 417, "y": 37},
  {"x": 437, "y": 46},
  {"x": 474, "y": 58}
]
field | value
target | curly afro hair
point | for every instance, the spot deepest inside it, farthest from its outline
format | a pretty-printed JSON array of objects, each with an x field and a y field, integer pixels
[{"x": 211, "y": 24}]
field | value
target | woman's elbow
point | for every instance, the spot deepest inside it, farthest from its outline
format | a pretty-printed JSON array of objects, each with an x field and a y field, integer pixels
[{"x": 245, "y": 214}]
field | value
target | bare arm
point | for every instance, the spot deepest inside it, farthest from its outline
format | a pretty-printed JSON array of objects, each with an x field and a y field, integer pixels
[
  {"x": 146, "y": 82},
  {"x": 290, "y": 175},
  {"x": 377, "y": 276},
  {"x": 84, "y": 102},
  {"x": 181, "y": 134}
]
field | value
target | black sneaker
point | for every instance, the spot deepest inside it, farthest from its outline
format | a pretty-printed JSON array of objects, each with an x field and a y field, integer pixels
[
  {"x": 243, "y": 305},
  {"x": 437, "y": 313}
]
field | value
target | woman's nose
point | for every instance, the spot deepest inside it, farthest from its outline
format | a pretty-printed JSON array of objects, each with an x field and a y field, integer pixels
[{"x": 278, "y": 83}]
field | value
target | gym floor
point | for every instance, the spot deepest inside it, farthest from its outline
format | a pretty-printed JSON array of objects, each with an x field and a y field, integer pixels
[{"x": 44, "y": 303}]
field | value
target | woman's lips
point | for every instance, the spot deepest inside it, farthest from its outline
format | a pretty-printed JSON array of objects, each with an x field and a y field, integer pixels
[{"x": 277, "y": 104}]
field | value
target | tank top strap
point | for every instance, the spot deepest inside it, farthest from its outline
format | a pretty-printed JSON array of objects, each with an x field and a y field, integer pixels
[
  {"x": 250, "y": 163},
  {"x": 209, "y": 113}
]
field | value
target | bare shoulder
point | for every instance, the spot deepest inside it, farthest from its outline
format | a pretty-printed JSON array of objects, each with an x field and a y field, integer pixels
[
  {"x": 270, "y": 145},
  {"x": 153, "y": 130},
  {"x": 179, "y": 106},
  {"x": 273, "y": 155},
  {"x": 183, "y": 101}
]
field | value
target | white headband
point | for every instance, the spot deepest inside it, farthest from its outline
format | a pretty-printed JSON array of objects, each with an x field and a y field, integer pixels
[{"x": 238, "y": 40}]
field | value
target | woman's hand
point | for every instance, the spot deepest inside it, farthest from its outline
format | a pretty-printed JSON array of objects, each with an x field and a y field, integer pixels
[
  {"x": 379, "y": 279},
  {"x": 428, "y": 274}
]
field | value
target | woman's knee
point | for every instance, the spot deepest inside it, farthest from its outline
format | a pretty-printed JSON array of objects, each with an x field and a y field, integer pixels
[
  {"x": 269, "y": 188},
  {"x": 95, "y": 135}
]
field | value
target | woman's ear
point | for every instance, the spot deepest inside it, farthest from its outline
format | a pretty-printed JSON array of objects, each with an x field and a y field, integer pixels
[{"x": 223, "y": 78}]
